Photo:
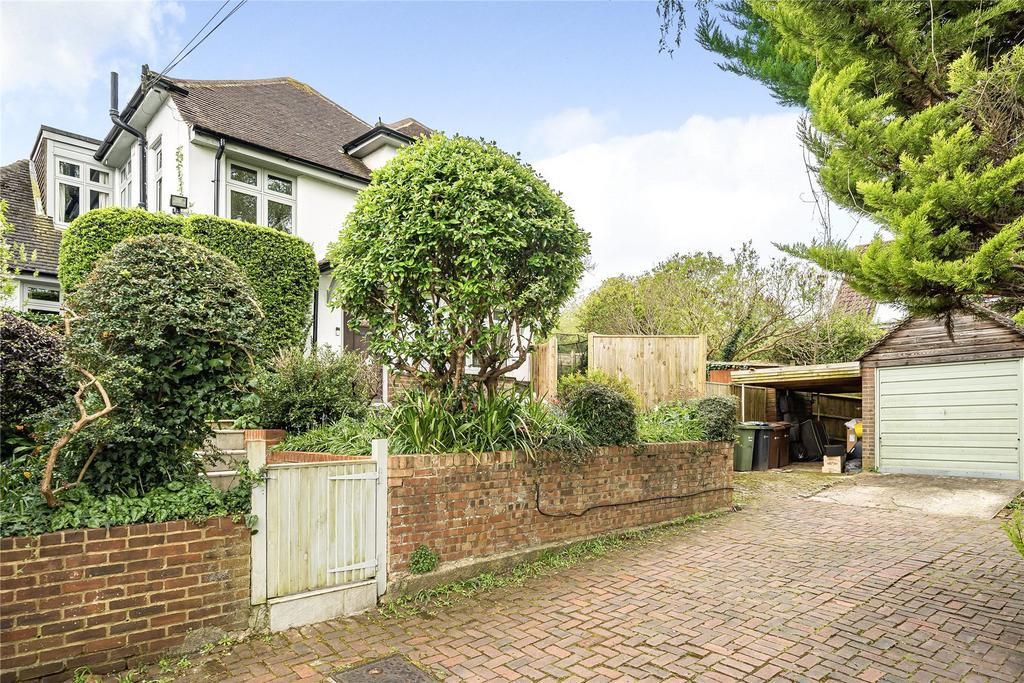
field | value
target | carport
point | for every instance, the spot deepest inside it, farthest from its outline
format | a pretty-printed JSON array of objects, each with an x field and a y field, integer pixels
[{"x": 827, "y": 395}]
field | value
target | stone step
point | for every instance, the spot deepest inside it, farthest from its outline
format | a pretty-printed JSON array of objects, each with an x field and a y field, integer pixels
[
  {"x": 229, "y": 439},
  {"x": 222, "y": 479},
  {"x": 222, "y": 424},
  {"x": 223, "y": 459}
]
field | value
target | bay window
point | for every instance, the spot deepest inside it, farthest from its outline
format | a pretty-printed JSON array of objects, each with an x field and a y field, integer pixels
[{"x": 261, "y": 197}]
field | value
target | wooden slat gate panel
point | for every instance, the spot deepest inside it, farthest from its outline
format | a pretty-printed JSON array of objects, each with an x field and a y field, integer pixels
[{"x": 323, "y": 525}]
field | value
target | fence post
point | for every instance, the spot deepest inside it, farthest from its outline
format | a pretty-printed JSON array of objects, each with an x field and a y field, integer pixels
[
  {"x": 380, "y": 455},
  {"x": 256, "y": 454}
]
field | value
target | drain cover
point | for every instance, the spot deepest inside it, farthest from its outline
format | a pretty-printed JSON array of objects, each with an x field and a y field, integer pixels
[{"x": 393, "y": 669}]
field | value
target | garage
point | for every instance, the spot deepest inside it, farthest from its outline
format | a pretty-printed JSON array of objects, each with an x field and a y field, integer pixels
[{"x": 946, "y": 406}]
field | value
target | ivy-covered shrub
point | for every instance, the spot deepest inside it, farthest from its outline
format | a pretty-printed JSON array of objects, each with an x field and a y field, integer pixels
[
  {"x": 32, "y": 375},
  {"x": 169, "y": 328},
  {"x": 605, "y": 415},
  {"x": 715, "y": 417},
  {"x": 300, "y": 392},
  {"x": 280, "y": 268},
  {"x": 23, "y": 511},
  {"x": 570, "y": 385}
]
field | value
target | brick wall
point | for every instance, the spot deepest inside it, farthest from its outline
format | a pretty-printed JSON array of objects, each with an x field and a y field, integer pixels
[
  {"x": 464, "y": 505},
  {"x": 107, "y": 599},
  {"x": 867, "y": 443}
]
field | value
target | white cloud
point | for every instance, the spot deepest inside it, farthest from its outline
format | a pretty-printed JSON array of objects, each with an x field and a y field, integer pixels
[
  {"x": 709, "y": 185},
  {"x": 65, "y": 46},
  {"x": 568, "y": 129}
]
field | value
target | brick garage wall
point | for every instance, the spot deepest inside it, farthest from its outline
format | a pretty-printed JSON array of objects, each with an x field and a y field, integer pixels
[
  {"x": 108, "y": 599},
  {"x": 464, "y": 505},
  {"x": 867, "y": 443}
]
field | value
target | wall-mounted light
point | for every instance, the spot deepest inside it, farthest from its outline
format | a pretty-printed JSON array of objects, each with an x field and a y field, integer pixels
[{"x": 178, "y": 202}]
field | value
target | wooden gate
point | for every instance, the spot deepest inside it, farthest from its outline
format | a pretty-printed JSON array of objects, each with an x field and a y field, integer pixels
[{"x": 320, "y": 550}]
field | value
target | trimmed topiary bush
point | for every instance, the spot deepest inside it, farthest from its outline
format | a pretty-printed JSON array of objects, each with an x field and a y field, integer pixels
[
  {"x": 280, "y": 268},
  {"x": 299, "y": 392},
  {"x": 715, "y": 417},
  {"x": 93, "y": 234},
  {"x": 569, "y": 385},
  {"x": 606, "y": 416},
  {"x": 32, "y": 372},
  {"x": 169, "y": 329}
]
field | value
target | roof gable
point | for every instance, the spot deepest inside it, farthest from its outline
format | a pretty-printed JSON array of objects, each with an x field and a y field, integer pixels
[{"x": 1007, "y": 330}]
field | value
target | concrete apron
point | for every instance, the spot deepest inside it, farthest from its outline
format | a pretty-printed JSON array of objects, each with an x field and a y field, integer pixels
[{"x": 949, "y": 496}]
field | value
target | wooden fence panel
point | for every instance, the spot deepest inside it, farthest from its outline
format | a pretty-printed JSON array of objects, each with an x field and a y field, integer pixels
[
  {"x": 659, "y": 368},
  {"x": 544, "y": 369},
  {"x": 753, "y": 406}
]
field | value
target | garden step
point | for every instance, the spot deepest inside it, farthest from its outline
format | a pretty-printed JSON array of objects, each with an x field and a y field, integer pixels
[
  {"x": 222, "y": 424},
  {"x": 222, "y": 479},
  {"x": 225, "y": 458},
  {"x": 228, "y": 439}
]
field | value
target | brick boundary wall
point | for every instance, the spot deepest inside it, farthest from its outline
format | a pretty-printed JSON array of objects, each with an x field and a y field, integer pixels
[
  {"x": 867, "y": 412},
  {"x": 109, "y": 599},
  {"x": 468, "y": 506}
]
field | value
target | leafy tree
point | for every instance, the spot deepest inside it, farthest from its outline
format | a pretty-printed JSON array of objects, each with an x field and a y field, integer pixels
[
  {"x": 6, "y": 253},
  {"x": 835, "y": 337},
  {"x": 457, "y": 251},
  {"x": 161, "y": 335},
  {"x": 916, "y": 111},
  {"x": 747, "y": 309}
]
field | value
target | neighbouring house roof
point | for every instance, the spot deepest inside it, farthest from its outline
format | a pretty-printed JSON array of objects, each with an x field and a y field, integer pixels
[
  {"x": 35, "y": 241},
  {"x": 976, "y": 309},
  {"x": 851, "y": 302},
  {"x": 411, "y": 127}
]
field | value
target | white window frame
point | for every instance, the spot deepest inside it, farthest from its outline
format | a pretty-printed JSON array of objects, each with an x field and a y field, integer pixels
[
  {"x": 260, "y": 191},
  {"x": 124, "y": 176},
  {"x": 28, "y": 304},
  {"x": 84, "y": 184},
  {"x": 158, "y": 173}
]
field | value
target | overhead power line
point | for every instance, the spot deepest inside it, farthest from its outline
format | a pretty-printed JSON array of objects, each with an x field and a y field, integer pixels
[{"x": 189, "y": 47}]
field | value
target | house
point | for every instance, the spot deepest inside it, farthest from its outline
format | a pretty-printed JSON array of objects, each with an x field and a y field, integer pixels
[{"x": 271, "y": 151}]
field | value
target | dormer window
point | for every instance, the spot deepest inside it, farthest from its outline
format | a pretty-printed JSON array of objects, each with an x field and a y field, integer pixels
[
  {"x": 80, "y": 188},
  {"x": 261, "y": 197}
]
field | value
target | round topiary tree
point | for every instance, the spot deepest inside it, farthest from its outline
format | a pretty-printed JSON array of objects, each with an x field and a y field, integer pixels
[
  {"x": 457, "y": 254},
  {"x": 163, "y": 332}
]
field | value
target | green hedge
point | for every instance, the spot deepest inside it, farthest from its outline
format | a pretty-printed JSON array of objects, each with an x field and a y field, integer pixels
[{"x": 281, "y": 268}]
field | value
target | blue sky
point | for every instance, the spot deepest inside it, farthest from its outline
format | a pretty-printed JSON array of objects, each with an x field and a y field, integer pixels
[{"x": 656, "y": 154}]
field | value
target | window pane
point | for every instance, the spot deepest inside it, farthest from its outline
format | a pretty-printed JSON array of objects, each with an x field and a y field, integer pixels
[
  {"x": 70, "y": 196},
  {"x": 279, "y": 216},
  {"x": 240, "y": 174},
  {"x": 159, "y": 194},
  {"x": 159, "y": 159},
  {"x": 98, "y": 176},
  {"x": 43, "y": 294},
  {"x": 98, "y": 200},
  {"x": 126, "y": 195},
  {"x": 68, "y": 169},
  {"x": 282, "y": 185},
  {"x": 243, "y": 207}
]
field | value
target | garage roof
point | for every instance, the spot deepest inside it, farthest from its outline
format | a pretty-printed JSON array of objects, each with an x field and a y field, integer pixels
[{"x": 838, "y": 378}]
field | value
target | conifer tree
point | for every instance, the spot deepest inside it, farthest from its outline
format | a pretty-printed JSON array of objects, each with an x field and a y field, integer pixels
[{"x": 916, "y": 120}]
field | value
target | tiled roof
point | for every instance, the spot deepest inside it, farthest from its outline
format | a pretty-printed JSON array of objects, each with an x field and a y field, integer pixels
[
  {"x": 410, "y": 127},
  {"x": 850, "y": 301},
  {"x": 35, "y": 241},
  {"x": 278, "y": 114}
]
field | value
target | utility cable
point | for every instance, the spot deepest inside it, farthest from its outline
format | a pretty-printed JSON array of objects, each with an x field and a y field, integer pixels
[{"x": 560, "y": 515}]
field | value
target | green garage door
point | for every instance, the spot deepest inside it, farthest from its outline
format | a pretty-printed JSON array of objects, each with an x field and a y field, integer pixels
[{"x": 959, "y": 418}]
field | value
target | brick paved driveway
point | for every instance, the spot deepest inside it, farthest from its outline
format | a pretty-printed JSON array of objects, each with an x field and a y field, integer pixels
[{"x": 793, "y": 590}]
